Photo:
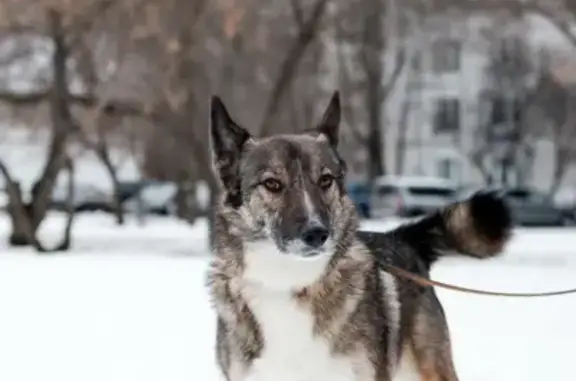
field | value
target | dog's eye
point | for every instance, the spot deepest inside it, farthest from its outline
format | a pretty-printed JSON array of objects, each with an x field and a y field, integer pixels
[
  {"x": 325, "y": 181},
  {"x": 272, "y": 185}
]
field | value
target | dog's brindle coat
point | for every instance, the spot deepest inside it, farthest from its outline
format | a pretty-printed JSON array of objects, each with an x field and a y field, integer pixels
[{"x": 297, "y": 289}]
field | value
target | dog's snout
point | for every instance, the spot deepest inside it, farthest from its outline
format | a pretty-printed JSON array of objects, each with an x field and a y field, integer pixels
[{"x": 315, "y": 236}]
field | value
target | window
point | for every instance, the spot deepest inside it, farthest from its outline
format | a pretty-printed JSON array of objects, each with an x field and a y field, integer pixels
[
  {"x": 448, "y": 169},
  {"x": 446, "y": 56},
  {"x": 446, "y": 115},
  {"x": 386, "y": 190},
  {"x": 505, "y": 118},
  {"x": 431, "y": 191},
  {"x": 502, "y": 109},
  {"x": 525, "y": 195}
]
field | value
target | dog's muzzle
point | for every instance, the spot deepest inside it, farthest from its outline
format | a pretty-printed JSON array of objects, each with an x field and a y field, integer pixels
[{"x": 315, "y": 236}]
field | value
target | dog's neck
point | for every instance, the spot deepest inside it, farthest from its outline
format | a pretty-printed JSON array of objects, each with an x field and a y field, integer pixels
[{"x": 265, "y": 266}]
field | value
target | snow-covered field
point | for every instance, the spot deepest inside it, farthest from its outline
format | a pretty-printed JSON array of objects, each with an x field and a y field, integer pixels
[{"x": 129, "y": 304}]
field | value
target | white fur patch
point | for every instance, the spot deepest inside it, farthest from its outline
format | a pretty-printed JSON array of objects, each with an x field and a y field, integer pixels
[
  {"x": 392, "y": 305},
  {"x": 407, "y": 369},
  {"x": 236, "y": 371},
  {"x": 291, "y": 352},
  {"x": 310, "y": 209},
  {"x": 266, "y": 265}
]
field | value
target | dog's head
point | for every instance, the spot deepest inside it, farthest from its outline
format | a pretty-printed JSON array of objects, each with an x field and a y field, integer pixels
[{"x": 286, "y": 188}]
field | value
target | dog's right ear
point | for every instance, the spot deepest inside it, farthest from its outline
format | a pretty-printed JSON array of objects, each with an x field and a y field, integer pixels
[
  {"x": 330, "y": 125},
  {"x": 227, "y": 140}
]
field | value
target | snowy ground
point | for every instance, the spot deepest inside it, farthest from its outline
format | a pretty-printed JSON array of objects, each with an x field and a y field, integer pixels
[{"x": 129, "y": 304}]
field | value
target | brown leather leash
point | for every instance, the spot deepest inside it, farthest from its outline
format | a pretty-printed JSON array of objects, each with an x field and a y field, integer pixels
[{"x": 422, "y": 281}]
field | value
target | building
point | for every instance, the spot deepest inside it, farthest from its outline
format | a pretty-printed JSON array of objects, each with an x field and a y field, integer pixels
[
  {"x": 448, "y": 88},
  {"x": 437, "y": 114}
]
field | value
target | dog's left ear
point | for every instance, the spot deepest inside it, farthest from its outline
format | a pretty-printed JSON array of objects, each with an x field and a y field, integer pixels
[
  {"x": 227, "y": 141},
  {"x": 330, "y": 124}
]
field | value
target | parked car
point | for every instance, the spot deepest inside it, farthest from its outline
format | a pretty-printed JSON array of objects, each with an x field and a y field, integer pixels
[
  {"x": 529, "y": 207},
  {"x": 128, "y": 189},
  {"x": 87, "y": 197},
  {"x": 565, "y": 199},
  {"x": 156, "y": 197},
  {"x": 569, "y": 213},
  {"x": 359, "y": 192},
  {"x": 410, "y": 196}
]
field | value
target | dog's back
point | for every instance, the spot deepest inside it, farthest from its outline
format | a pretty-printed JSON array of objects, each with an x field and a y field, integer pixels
[{"x": 478, "y": 227}]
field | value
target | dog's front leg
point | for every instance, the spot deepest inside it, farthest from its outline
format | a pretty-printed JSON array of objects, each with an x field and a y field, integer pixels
[{"x": 238, "y": 340}]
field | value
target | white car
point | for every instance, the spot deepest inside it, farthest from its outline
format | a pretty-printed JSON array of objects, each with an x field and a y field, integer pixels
[
  {"x": 155, "y": 198},
  {"x": 409, "y": 196},
  {"x": 87, "y": 197}
]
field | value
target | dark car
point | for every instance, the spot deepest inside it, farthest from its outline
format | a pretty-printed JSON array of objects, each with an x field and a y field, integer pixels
[
  {"x": 127, "y": 189},
  {"x": 569, "y": 214},
  {"x": 530, "y": 207},
  {"x": 154, "y": 197},
  {"x": 359, "y": 192}
]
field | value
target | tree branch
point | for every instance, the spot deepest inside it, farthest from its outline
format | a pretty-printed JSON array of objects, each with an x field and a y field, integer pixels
[
  {"x": 298, "y": 13},
  {"x": 399, "y": 64},
  {"x": 289, "y": 66},
  {"x": 563, "y": 26},
  {"x": 347, "y": 89}
]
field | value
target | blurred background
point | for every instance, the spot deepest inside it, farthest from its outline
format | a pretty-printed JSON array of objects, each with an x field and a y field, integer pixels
[
  {"x": 108, "y": 99},
  {"x": 104, "y": 156}
]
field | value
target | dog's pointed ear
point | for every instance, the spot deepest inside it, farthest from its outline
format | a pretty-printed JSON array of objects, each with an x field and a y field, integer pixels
[
  {"x": 227, "y": 140},
  {"x": 330, "y": 124},
  {"x": 227, "y": 136}
]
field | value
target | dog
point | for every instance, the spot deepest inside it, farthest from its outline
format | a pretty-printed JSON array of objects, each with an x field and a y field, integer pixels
[{"x": 299, "y": 292}]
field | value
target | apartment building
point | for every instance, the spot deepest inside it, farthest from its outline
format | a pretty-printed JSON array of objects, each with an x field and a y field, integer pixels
[{"x": 446, "y": 98}]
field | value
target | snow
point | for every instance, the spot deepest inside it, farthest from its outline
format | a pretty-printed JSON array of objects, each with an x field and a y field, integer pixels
[{"x": 129, "y": 303}]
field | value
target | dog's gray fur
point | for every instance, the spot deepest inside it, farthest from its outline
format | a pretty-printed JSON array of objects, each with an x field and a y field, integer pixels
[{"x": 297, "y": 289}]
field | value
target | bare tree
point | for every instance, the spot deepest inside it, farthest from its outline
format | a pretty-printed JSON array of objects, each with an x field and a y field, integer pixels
[
  {"x": 556, "y": 118},
  {"x": 361, "y": 46},
  {"x": 100, "y": 130},
  {"x": 510, "y": 73},
  {"x": 65, "y": 24},
  {"x": 412, "y": 94},
  {"x": 27, "y": 216},
  {"x": 560, "y": 13},
  {"x": 307, "y": 27}
]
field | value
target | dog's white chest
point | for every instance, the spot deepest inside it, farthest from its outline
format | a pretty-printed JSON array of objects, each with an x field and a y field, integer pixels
[{"x": 291, "y": 352}]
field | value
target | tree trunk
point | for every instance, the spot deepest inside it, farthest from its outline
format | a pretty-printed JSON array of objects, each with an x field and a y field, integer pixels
[
  {"x": 66, "y": 240},
  {"x": 560, "y": 167},
  {"x": 117, "y": 208},
  {"x": 375, "y": 161},
  {"x": 402, "y": 137},
  {"x": 22, "y": 218},
  {"x": 371, "y": 59},
  {"x": 117, "y": 202},
  {"x": 27, "y": 217},
  {"x": 307, "y": 31}
]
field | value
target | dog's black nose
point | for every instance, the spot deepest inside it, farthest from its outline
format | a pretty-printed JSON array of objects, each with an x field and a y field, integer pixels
[{"x": 315, "y": 236}]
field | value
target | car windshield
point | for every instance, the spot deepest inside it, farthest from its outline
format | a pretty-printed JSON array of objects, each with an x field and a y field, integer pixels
[
  {"x": 431, "y": 191},
  {"x": 525, "y": 195},
  {"x": 385, "y": 190}
]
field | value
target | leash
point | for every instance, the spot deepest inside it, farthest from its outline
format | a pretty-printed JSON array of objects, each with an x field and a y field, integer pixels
[{"x": 423, "y": 281}]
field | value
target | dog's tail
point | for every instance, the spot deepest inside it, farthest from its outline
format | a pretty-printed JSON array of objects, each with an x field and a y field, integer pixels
[{"x": 477, "y": 227}]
